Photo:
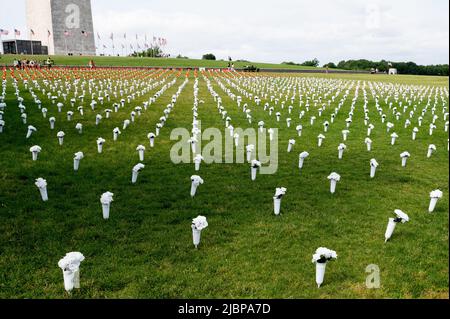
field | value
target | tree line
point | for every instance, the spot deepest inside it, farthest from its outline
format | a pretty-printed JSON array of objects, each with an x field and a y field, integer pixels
[{"x": 383, "y": 66}]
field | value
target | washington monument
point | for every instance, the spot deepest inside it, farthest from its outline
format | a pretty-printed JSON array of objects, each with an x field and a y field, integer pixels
[{"x": 65, "y": 26}]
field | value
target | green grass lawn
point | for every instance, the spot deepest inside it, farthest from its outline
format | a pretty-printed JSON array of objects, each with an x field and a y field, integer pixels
[
  {"x": 158, "y": 62},
  {"x": 145, "y": 249}
]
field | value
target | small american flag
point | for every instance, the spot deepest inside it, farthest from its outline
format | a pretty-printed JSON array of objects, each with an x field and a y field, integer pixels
[
  {"x": 48, "y": 33},
  {"x": 84, "y": 33},
  {"x": 4, "y": 32},
  {"x": 32, "y": 32},
  {"x": 16, "y": 32}
]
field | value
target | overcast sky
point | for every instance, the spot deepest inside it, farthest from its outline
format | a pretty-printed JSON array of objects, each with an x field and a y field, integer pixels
[{"x": 273, "y": 31}]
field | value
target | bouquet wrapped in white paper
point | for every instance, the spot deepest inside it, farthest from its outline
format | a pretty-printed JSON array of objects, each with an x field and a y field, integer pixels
[
  {"x": 368, "y": 142},
  {"x": 404, "y": 156},
  {"x": 195, "y": 182},
  {"x": 70, "y": 265},
  {"x": 291, "y": 143},
  {"x": 341, "y": 149},
  {"x": 141, "y": 150},
  {"x": 431, "y": 149},
  {"x": 334, "y": 178},
  {"x": 135, "y": 172},
  {"x": 301, "y": 158},
  {"x": 30, "y": 131},
  {"x": 434, "y": 196},
  {"x": 79, "y": 128},
  {"x": 401, "y": 218},
  {"x": 116, "y": 133},
  {"x": 249, "y": 148},
  {"x": 254, "y": 168},
  {"x": 60, "y": 136},
  {"x": 106, "y": 200},
  {"x": 198, "y": 224},
  {"x": 76, "y": 160},
  {"x": 151, "y": 138},
  {"x": 320, "y": 258},
  {"x": 320, "y": 138},
  {"x": 35, "y": 150},
  {"x": 100, "y": 142},
  {"x": 42, "y": 186},
  {"x": 279, "y": 193},
  {"x": 373, "y": 167},
  {"x": 345, "y": 134},
  {"x": 197, "y": 160}
]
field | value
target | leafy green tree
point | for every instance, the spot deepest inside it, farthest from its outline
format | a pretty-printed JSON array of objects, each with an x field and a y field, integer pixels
[{"x": 209, "y": 56}]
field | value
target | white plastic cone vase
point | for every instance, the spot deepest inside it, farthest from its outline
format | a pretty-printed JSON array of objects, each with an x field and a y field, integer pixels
[
  {"x": 236, "y": 141},
  {"x": 414, "y": 136},
  {"x": 393, "y": 141},
  {"x": 152, "y": 142},
  {"x": 299, "y": 132},
  {"x": 390, "y": 229},
  {"x": 276, "y": 205},
  {"x": 34, "y": 155},
  {"x": 141, "y": 155},
  {"x": 340, "y": 153},
  {"x": 52, "y": 125},
  {"x": 271, "y": 136},
  {"x": 319, "y": 143},
  {"x": 432, "y": 205},
  {"x": 29, "y": 132},
  {"x": 76, "y": 164},
  {"x": 44, "y": 194},
  {"x": 196, "y": 236},
  {"x": 300, "y": 162},
  {"x": 115, "y": 136},
  {"x": 404, "y": 161},
  {"x": 193, "y": 148},
  {"x": 430, "y": 151},
  {"x": 289, "y": 147},
  {"x": 157, "y": 131},
  {"x": 134, "y": 176},
  {"x": 76, "y": 279},
  {"x": 99, "y": 148},
  {"x": 253, "y": 172},
  {"x": 197, "y": 165},
  {"x": 332, "y": 186},
  {"x": 320, "y": 273},
  {"x": 344, "y": 136},
  {"x": 325, "y": 129},
  {"x": 61, "y": 140},
  {"x": 369, "y": 146},
  {"x": 68, "y": 280},
  {"x": 105, "y": 210},
  {"x": 249, "y": 156},
  {"x": 261, "y": 128},
  {"x": 193, "y": 189},
  {"x": 369, "y": 131},
  {"x": 373, "y": 169}
]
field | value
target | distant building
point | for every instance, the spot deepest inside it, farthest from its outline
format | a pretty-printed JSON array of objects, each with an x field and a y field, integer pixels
[
  {"x": 392, "y": 71},
  {"x": 24, "y": 47},
  {"x": 65, "y": 26}
]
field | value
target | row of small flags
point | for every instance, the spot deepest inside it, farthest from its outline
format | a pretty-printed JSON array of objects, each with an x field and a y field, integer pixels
[
  {"x": 159, "y": 40},
  {"x": 156, "y": 40}
]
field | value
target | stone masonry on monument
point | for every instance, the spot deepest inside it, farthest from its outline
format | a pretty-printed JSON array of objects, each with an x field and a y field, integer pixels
[{"x": 64, "y": 25}]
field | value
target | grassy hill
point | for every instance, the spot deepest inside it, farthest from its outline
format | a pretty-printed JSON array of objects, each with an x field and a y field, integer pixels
[{"x": 161, "y": 62}]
